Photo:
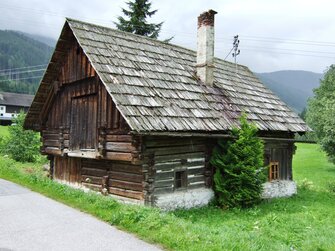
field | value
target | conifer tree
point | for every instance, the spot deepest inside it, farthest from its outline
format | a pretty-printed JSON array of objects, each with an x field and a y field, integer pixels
[
  {"x": 138, "y": 12},
  {"x": 239, "y": 177}
]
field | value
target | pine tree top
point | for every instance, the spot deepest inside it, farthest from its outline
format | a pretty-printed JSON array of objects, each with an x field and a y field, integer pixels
[{"x": 138, "y": 12}]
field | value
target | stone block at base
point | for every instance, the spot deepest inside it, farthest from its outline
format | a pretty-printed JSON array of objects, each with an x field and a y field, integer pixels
[
  {"x": 279, "y": 188},
  {"x": 184, "y": 199}
]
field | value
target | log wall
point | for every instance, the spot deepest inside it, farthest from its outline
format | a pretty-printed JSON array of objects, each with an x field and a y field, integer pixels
[
  {"x": 164, "y": 157},
  {"x": 119, "y": 178}
]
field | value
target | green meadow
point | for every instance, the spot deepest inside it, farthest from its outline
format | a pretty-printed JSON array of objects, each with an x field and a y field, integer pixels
[{"x": 305, "y": 221}]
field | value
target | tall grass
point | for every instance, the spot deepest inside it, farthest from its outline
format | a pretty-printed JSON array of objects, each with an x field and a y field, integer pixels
[{"x": 4, "y": 131}]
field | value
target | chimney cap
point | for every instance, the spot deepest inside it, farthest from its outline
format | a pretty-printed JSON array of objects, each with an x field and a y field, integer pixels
[{"x": 206, "y": 18}]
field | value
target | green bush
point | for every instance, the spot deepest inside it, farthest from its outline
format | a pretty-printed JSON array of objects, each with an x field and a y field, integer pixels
[
  {"x": 239, "y": 163},
  {"x": 22, "y": 145},
  {"x": 321, "y": 113}
]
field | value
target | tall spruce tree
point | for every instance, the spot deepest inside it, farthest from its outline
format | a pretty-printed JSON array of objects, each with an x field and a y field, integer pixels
[
  {"x": 239, "y": 177},
  {"x": 138, "y": 11}
]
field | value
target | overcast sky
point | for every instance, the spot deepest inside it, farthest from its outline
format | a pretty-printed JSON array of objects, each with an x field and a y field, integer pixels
[{"x": 274, "y": 35}]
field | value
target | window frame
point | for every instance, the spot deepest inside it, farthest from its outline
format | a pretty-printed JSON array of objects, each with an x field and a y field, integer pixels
[
  {"x": 274, "y": 170},
  {"x": 182, "y": 179}
]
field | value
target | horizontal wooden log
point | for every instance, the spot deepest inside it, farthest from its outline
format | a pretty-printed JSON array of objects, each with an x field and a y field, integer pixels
[
  {"x": 98, "y": 164},
  {"x": 164, "y": 175},
  {"x": 176, "y": 157},
  {"x": 178, "y": 165},
  {"x": 163, "y": 190},
  {"x": 193, "y": 179},
  {"x": 52, "y": 150},
  {"x": 119, "y": 156},
  {"x": 120, "y": 147},
  {"x": 50, "y": 131},
  {"x": 164, "y": 183},
  {"x": 51, "y": 136},
  {"x": 126, "y": 193},
  {"x": 176, "y": 150},
  {"x": 196, "y": 171},
  {"x": 83, "y": 154},
  {"x": 91, "y": 186},
  {"x": 119, "y": 138},
  {"x": 93, "y": 172},
  {"x": 153, "y": 142},
  {"x": 196, "y": 185},
  {"x": 91, "y": 179},
  {"x": 125, "y": 185},
  {"x": 127, "y": 168},
  {"x": 137, "y": 178},
  {"x": 54, "y": 143}
]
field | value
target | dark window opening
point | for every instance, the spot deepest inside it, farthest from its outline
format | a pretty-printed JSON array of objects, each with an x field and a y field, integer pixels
[
  {"x": 180, "y": 179},
  {"x": 274, "y": 171}
]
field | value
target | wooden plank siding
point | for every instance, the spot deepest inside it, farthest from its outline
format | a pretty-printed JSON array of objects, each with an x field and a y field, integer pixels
[
  {"x": 67, "y": 170},
  {"x": 281, "y": 152},
  {"x": 82, "y": 116}
]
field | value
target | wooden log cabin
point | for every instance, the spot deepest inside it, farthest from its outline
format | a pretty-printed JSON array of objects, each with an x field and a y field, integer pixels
[{"x": 137, "y": 118}]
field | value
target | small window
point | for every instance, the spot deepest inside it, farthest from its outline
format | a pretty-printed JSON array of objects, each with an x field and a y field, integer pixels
[
  {"x": 1, "y": 114},
  {"x": 180, "y": 179},
  {"x": 274, "y": 171},
  {"x": 1, "y": 108}
]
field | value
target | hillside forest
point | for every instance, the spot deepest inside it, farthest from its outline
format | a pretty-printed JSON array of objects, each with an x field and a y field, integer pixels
[{"x": 22, "y": 62}]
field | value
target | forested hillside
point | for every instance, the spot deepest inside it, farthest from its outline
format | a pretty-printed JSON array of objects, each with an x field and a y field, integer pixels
[
  {"x": 293, "y": 87},
  {"x": 22, "y": 62}
]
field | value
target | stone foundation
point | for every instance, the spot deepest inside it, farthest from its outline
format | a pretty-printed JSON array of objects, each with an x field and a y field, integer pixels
[
  {"x": 184, "y": 199},
  {"x": 279, "y": 188}
]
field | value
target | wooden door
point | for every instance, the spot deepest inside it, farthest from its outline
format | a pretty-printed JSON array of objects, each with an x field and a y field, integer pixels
[{"x": 83, "y": 128}]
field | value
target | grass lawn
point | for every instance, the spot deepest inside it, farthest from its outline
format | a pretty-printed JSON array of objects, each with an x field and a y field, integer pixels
[
  {"x": 303, "y": 222},
  {"x": 4, "y": 131}
]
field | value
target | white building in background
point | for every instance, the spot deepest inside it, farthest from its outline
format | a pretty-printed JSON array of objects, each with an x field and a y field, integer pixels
[{"x": 11, "y": 104}]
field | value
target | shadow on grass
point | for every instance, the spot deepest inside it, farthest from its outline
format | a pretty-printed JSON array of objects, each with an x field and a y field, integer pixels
[{"x": 330, "y": 170}]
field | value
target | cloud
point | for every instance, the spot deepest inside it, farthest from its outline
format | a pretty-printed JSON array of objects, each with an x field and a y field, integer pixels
[{"x": 269, "y": 30}]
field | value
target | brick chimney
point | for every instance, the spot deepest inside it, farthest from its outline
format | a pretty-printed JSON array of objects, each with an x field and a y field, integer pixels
[{"x": 205, "y": 47}]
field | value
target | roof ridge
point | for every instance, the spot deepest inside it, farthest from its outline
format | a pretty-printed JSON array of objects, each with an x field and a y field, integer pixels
[{"x": 170, "y": 45}]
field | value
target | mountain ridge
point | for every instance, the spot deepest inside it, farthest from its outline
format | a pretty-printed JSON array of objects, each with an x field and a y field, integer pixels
[{"x": 294, "y": 87}]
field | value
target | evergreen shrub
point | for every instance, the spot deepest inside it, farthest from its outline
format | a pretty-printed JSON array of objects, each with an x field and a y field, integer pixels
[{"x": 239, "y": 163}]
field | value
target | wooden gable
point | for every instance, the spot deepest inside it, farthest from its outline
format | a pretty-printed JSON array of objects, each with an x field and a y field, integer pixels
[{"x": 78, "y": 113}]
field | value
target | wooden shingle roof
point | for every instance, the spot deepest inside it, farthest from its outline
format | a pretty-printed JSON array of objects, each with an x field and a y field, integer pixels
[
  {"x": 15, "y": 99},
  {"x": 154, "y": 86}
]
